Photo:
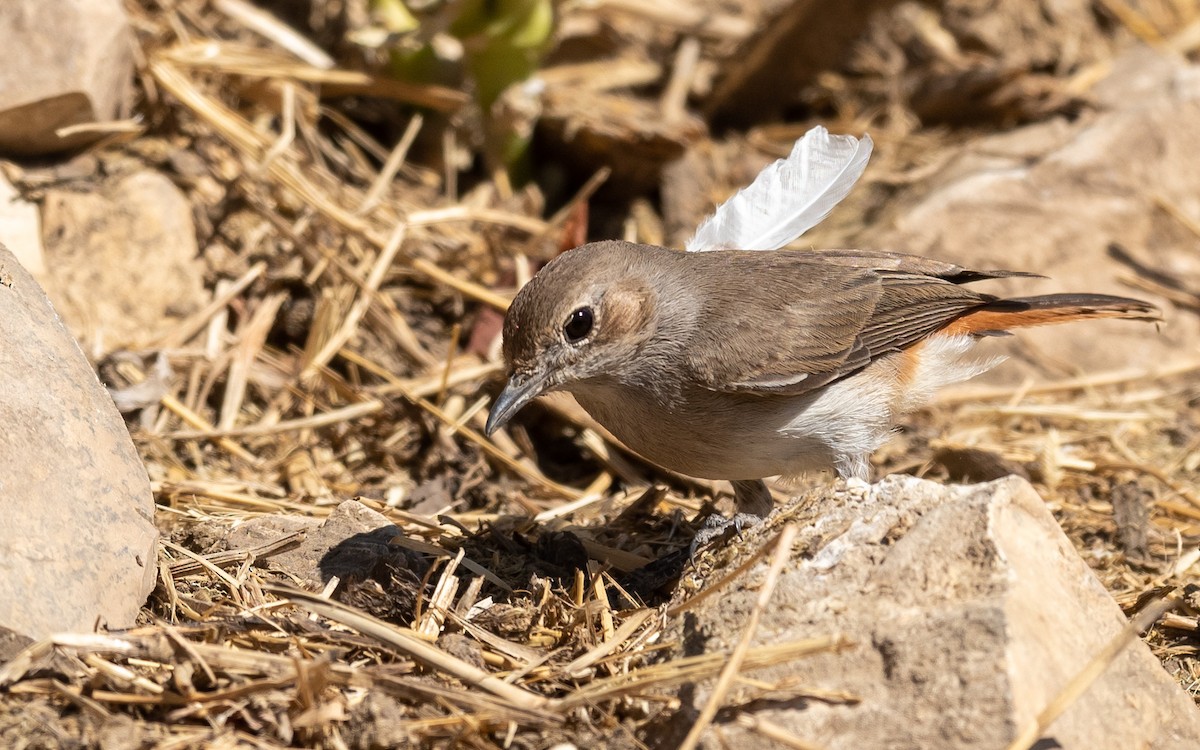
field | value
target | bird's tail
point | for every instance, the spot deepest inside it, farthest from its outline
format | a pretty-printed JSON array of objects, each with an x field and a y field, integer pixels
[{"x": 1048, "y": 309}]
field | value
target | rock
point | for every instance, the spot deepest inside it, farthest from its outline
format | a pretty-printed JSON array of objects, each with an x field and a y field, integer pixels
[
  {"x": 347, "y": 544},
  {"x": 78, "y": 536},
  {"x": 968, "y": 610},
  {"x": 123, "y": 265},
  {"x": 21, "y": 228},
  {"x": 12, "y": 643},
  {"x": 1052, "y": 198},
  {"x": 68, "y": 62},
  {"x": 259, "y": 531}
]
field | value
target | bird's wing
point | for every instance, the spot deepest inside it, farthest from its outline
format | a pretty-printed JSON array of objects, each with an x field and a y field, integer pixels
[
  {"x": 884, "y": 260},
  {"x": 817, "y": 320}
]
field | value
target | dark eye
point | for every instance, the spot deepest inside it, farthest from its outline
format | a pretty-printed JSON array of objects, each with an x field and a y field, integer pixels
[{"x": 578, "y": 325}]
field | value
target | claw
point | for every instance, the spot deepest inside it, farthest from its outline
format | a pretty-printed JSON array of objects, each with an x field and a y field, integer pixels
[{"x": 718, "y": 527}]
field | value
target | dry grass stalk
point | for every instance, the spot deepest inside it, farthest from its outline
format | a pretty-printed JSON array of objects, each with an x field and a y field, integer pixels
[
  {"x": 603, "y": 76},
  {"x": 692, "y": 669},
  {"x": 194, "y": 564},
  {"x": 275, "y": 30},
  {"x": 770, "y": 731},
  {"x": 391, "y": 166},
  {"x": 1131, "y": 375},
  {"x": 1185, "y": 299},
  {"x": 253, "y": 338},
  {"x": 332, "y": 417},
  {"x": 238, "y": 59},
  {"x": 430, "y": 622},
  {"x": 196, "y": 322},
  {"x": 674, "y": 97},
  {"x": 782, "y": 544},
  {"x": 1134, "y": 20},
  {"x": 1063, "y": 411},
  {"x": 415, "y": 647},
  {"x": 349, "y": 325},
  {"x": 205, "y": 428},
  {"x": 633, "y": 622}
]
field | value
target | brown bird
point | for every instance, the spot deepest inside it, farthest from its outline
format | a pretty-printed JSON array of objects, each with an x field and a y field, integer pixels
[{"x": 741, "y": 365}]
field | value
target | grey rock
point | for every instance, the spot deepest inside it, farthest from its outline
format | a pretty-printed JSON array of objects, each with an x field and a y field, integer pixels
[
  {"x": 68, "y": 62},
  {"x": 78, "y": 542},
  {"x": 968, "y": 610}
]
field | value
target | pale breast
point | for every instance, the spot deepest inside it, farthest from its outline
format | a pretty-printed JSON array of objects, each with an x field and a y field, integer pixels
[{"x": 710, "y": 435}]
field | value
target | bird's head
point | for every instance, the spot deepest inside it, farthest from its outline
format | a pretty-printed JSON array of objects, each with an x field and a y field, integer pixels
[{"x": 582, "y": 318}]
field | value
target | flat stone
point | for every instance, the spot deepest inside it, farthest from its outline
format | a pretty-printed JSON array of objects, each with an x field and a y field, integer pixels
[
  {"x": 123, "y": 267},
  {"x": 968, "y": 610},
  {"x": 68, "y": 62},
  {"x": 78, "y": 542}
]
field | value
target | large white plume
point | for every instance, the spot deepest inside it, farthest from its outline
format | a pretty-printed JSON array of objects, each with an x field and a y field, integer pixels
[{"x": 789, "y": 197}]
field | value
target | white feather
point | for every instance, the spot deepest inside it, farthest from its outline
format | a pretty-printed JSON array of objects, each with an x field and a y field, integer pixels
[{"x": 789, "y": 197}]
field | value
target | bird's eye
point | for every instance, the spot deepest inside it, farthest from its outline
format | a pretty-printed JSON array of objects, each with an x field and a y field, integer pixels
[{"x": 578, "y": 325}]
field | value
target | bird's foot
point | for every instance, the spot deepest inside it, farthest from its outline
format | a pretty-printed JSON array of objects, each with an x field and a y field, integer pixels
[{"x": 717, "y": 527}]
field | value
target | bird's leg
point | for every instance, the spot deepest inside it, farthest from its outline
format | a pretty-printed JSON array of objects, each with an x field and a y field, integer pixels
[
  {"x": 752, "y": 498},
  {"x": 855, "y": 466},
  {"x": 855, "y": 471},
  {"x": 753, "y": 502}
]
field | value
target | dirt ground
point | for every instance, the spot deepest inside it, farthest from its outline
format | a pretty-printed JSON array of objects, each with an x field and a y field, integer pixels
[{"x": 366, "y": 233}]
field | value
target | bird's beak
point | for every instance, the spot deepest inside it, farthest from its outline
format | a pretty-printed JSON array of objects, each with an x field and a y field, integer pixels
[{"x": 520, "y": 389}]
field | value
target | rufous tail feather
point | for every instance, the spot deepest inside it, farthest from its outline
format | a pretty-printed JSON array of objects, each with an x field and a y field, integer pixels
[{"x": 1049, "y": 309}]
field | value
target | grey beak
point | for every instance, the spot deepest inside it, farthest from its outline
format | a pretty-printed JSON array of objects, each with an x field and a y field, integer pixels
[{"x": 520, "y": 390}]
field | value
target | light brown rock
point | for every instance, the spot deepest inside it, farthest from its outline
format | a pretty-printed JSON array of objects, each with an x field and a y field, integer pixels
[
  {"x": 21, "y": 228},
  {"x": 968, "y": 610},
  {"x": 122, "y": 261},
  {"x": 77, "y": 545},
  {"x": 67, "y": 62}
]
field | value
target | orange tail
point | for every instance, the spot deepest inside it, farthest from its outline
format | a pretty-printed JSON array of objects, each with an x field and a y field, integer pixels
[{"x": 1023, "y": 312}]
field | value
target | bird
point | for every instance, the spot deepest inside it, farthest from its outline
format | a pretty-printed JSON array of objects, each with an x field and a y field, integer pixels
[{"x": 746, "y": 362}]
